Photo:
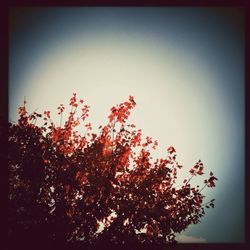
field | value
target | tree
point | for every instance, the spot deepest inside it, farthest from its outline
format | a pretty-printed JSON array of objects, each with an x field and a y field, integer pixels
[{"x": 92, "y": 188}]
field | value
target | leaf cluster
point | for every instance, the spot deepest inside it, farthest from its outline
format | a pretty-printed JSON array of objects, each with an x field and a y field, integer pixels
[{"x": 96, "y": 188}]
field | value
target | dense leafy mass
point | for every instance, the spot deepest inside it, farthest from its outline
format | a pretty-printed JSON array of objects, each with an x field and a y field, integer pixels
[{"x": 94, "y": 188}]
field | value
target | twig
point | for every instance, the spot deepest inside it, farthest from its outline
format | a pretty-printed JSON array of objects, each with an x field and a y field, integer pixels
[{"x": 203, "y": 187}]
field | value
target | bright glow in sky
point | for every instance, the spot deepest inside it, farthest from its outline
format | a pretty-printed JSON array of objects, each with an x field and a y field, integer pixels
[{"x": 184, "y": 67}]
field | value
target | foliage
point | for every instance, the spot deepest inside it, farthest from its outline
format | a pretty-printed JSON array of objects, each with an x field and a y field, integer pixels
[{"x": 105, "y": 187}]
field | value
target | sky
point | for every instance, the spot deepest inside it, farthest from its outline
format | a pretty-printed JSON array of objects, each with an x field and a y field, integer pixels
[{"x": 184, "y": 66}]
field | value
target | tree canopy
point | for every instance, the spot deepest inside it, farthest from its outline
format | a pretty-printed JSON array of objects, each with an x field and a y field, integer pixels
[{"x": 71, "y": 185}]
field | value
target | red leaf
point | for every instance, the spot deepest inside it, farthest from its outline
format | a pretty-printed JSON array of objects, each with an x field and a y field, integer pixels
[
  {"x": 196, "y": 166},
  {"x": 175, "y": 171},
  {"x": 191, "y": 171},
  {"x": 171, "y": 150},
  {"x": 199, "y": 172},
  {"x": 131, "y": 98}
]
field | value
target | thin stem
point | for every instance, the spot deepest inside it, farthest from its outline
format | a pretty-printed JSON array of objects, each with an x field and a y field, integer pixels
[
  {"x": 203, "y": 187},
  {"x": 206, "y": 203},
  {"x": 113, "y": 133},
  {"x": 186, "y": 182},
  {"x": 50, "y": 121},
  {"x": 77, "y": 106},
  {"x": 189, "y": 180},
  {"x": 71, "y": 114},
  {"x": 61, "y": 120}
]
